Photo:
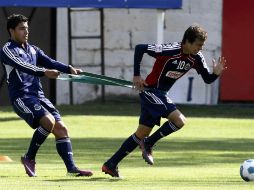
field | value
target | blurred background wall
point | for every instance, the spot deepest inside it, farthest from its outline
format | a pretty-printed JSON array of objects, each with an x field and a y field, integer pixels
[
  {"x": 228, "y": 22},
  {"x": 125, "y": 28}
]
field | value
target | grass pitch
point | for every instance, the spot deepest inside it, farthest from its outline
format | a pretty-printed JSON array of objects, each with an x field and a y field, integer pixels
[{"x": 205, "y": 155}]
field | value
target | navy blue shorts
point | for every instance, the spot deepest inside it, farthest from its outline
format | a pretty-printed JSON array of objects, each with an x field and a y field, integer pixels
[
  {"x": 32, "y": 109},
  {"x": 154, "y": 106}
]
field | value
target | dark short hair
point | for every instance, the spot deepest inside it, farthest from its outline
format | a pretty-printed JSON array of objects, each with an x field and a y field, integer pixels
[
  {"x": 13, "y": 21},
  {"x": 194, "y": 32}
]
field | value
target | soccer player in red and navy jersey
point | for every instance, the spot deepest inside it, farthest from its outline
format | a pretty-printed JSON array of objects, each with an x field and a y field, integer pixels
[
  {"x": 173, "y": 60},
  {"x": 21, "y": 61}
]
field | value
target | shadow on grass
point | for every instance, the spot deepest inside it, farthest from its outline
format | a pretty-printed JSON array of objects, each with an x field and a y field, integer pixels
[
  {"x": 132, "y": 108},
  {"x": 101, "y": 179},
  {"x": 167, "y": 153},
  {"x": 9, "y": 119}
]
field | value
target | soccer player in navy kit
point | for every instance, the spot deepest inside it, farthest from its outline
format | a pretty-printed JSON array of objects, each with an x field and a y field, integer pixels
[
  {"x": 21, "y": 61},
  {"x": 173, "y": 60}
]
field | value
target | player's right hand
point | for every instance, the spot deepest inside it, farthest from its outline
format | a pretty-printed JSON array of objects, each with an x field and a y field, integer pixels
[
  {"x": 219, "y": 66},
  {"x": 139, "y": 83},
  {"x": 52, "y": 73},
  {"x": 75, "y": 71}
]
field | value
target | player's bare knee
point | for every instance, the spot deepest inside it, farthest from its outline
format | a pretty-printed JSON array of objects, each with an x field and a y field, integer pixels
[
  {"x": 48, "y": 122},
  {"x": 64, "y": 130},
  {"x": 180, "y": 124},
  {"x": 141, "y": 135},
  {"x": 180, "y": 121},
  {"x": 60, "y": 130},
  {"x": 143, "y": 131}
]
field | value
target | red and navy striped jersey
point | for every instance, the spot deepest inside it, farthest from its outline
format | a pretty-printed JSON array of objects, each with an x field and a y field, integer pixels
[
  {"x": 23, "y": 71},
  {"x": 170, "y": 64}
]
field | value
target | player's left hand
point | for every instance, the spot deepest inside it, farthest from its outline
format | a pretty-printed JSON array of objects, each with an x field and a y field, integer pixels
[
  {"x": 219, "y": 66},
  {"x": 75, "y": 71}
]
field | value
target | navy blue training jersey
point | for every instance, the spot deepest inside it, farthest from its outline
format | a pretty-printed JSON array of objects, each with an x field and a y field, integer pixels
[
  {"x": 21, "y": 66},
  {"x": 170, "y": 65}
]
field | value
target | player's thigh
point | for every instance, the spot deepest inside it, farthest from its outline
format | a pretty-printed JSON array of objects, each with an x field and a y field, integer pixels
[
  {"x": 50, "y": 108},
  {"x": 177, "y": 118},
  {"x": 30, "y": 110},
  {"x": 59, "y": 130},
  {"x": 154, "y": 106}
]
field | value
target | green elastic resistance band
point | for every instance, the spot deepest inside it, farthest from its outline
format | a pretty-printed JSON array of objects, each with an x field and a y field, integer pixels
[
  {"x": 120, "y": 81},
  {"x": 92, "y": 78}
]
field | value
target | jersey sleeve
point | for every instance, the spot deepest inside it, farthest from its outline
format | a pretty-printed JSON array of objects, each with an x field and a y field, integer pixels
[
  {"x": 202, "y": 69},
  {"x": 154, "y": 50},
  {"x": 49, "y": 63},
  {"x": 12, "y": 58}
]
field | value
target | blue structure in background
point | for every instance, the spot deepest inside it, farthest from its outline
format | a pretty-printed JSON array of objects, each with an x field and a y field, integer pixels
[{"x": 149, "y": 4}]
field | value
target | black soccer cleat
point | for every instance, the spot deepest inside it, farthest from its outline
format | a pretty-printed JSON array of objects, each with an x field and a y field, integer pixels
[
  {"x": 146, "y": 151},
  {"x": 110, "y": 169}
]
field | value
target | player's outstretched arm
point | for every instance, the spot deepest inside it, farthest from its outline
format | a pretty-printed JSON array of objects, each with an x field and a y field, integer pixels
[
  {"x": 52, "y": 64},
  {"x": 219, "y": 66}
]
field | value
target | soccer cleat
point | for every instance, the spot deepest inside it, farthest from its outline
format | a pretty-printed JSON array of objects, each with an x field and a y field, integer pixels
[
  {"x": 110, "y": 169},
  {"x": 29, "y": 166},
  {"x": 146, "y": 151},
  {"x": 78, "y": 172}
]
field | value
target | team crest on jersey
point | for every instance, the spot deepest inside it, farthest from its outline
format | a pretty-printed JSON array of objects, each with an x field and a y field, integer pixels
[
  {"x": 187, "y": 67},
  {"x": 174, "y": 74},
  {"x": 37, "y": 107}
]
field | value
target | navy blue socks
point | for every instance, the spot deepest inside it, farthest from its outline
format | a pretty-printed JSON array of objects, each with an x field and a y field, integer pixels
[
  {"x": 166, "y": 129},
  {"x": 64, "y": 149},
  {"x": 38, "y": 138},
  {"x": 127, "y": 147}
]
